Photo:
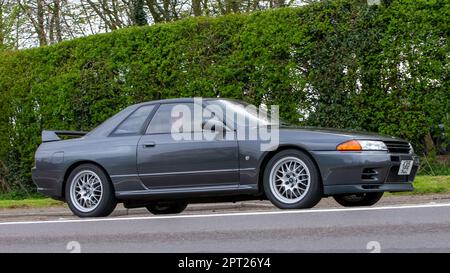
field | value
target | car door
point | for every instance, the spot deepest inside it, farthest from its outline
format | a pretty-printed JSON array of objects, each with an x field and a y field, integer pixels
[
  {"x": 166, "y": 161},
  {"x": 117, "y": 153}
]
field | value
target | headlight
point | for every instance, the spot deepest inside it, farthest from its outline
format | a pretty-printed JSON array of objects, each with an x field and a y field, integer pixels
[
  {"x": 370, "y": 145},
  {"x": 362, "y": 145}
]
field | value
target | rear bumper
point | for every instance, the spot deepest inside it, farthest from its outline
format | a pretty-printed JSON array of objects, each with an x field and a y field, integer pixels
[
  {"x": 359, "y": 172},
  {"x": 47, "y": 183}
]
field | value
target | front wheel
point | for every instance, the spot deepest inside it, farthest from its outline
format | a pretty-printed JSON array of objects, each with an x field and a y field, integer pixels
[
  {"x": 89, "y": 192},
  {"x": 291, "y": 180},
  {"x": 167, "y": 208},
  {"x": 358, "y": 199}
]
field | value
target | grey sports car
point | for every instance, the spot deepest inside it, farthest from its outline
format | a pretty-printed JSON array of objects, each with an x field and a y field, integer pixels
[{"x": 137, "y": 158}]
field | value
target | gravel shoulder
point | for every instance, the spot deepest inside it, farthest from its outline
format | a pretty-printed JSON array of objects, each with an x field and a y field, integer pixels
[{"x": 63, "y": 212}]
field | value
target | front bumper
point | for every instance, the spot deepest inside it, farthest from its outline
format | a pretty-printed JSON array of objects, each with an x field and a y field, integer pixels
[
  {"x": 348, "y": 189},
  {"x": 360, "y": 172}
]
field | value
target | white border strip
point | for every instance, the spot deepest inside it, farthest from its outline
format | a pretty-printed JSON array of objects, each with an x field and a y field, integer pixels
[{"x": 229, "y": 214}]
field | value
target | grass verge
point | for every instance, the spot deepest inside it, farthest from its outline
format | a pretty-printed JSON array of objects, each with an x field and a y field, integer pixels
[
  {"x": 29, "y": 203},
  {"x": 427, "y": 184}
]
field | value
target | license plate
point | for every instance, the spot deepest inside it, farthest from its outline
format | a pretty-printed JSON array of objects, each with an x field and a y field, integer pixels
[{"x": 405, "y": 167}]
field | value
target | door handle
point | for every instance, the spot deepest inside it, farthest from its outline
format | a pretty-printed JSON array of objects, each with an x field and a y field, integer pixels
[{"x": 149, "y": 144}]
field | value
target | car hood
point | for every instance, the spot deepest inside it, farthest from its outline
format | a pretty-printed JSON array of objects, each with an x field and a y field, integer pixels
[{"x": 343, "y": 132}]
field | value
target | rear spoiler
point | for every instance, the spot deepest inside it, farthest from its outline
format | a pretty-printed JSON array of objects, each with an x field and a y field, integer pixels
[{"x": 48, "y": 136}]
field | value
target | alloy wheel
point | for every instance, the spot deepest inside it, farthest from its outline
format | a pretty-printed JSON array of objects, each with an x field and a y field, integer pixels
[
  {"x": 86, "y": 191},
  {"x": 290, "y": 180}
]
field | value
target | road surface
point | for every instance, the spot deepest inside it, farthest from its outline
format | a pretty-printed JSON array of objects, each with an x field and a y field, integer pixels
[{"x": 404, "y": 228}]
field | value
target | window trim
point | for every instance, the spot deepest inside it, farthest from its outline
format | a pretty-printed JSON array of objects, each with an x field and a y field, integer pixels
[
  {"x": 141, "y": 130},
  {"x": 157, "y": 108}
]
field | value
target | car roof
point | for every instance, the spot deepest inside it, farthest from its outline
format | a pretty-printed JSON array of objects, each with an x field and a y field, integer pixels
[{"x": 177, "y": 100}]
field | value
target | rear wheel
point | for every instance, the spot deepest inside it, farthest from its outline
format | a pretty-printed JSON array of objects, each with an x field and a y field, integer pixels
[
  {"x": 291, "y": 180},
  {"x": 358, "y": 199},
  {"x": 167, "y": 208},
  {"x": 89, "y": 192}
]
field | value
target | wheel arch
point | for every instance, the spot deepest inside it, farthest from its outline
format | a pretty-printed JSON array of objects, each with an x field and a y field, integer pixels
[
  {"x": 72, "y": 167},
  {"x": 269, "y": 155}
]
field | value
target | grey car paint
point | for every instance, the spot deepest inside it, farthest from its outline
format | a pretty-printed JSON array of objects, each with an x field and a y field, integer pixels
[{"x": 154, "y": 166}]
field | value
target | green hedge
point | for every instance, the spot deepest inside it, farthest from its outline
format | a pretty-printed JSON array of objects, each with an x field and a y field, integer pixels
[{"x": 345, "y": 64}]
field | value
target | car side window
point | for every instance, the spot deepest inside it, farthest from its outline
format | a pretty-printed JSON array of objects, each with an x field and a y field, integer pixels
[
  {"x": 170, "y": 116},
  {"x": 133, "y": 124}
]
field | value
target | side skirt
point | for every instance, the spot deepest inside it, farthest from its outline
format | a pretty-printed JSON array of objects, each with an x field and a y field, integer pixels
[{"x": 188, "y": 192}]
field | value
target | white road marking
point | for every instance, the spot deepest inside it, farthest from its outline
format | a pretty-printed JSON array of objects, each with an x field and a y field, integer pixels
[{"x": 230, "y": 214}]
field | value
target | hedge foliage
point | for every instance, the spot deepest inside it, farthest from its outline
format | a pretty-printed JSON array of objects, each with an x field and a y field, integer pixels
[{"x": 345, "y": 64}]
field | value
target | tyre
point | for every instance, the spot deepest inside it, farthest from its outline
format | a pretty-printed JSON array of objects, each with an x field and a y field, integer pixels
[
  {"x": 89, "y": 193},
  {"x": 167, "y": 208},
  {"x": 291, "y": 180},
  {"x": 358, "y": 199}
]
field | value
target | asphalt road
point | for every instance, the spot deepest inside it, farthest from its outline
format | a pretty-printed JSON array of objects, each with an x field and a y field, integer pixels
[{"x": 406, "y": 228}]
